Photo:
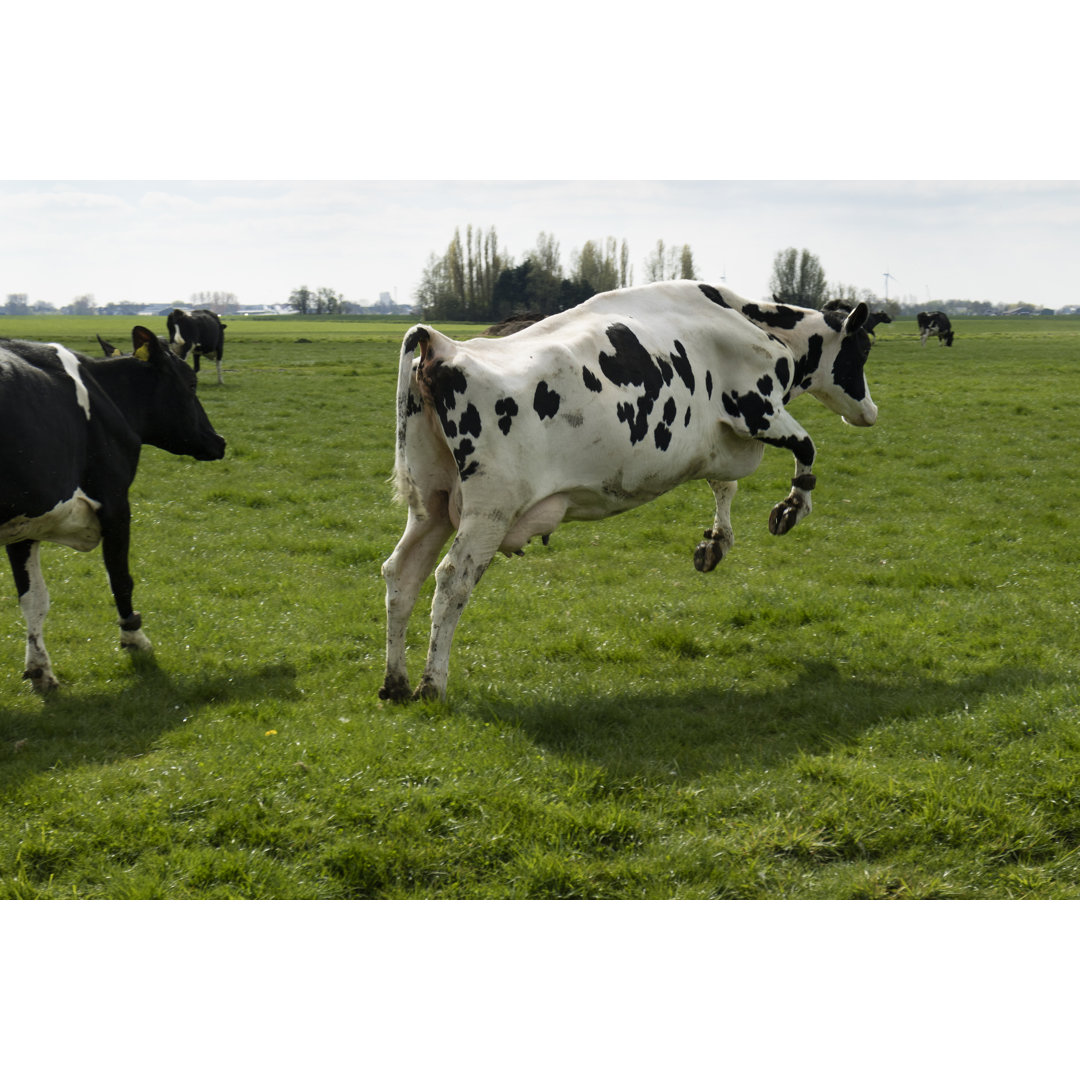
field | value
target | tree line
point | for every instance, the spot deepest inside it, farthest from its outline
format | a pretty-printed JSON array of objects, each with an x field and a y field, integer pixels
[{"x": 476, "y": 281}]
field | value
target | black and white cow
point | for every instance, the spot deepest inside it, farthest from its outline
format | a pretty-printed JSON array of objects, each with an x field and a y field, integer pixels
[
  {"x": 934, "y": 324},
  {"x": 875, "y": 319},
  {"x": 71, "y": 429},
  {"x": 201, "y": 332},
  {"x": 591, "y": 412}
]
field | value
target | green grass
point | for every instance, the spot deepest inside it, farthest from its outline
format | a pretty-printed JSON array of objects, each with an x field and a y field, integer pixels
[{"x": 883, "y": 703}]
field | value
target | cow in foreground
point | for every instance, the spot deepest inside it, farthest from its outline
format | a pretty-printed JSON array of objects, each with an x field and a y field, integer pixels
[
  {"x": 592, "y": 412},
  {"x": 934, "y": 324},
  {"x": 201, "y": 333},
  {"x": 71, "y": 429}
]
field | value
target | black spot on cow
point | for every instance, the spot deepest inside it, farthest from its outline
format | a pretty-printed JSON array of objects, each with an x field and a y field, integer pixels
[
  {"x": 591, "y": 381},
  {"x": 631, "y": 364},
  {"x": 670, "y": 410},
  {"x": 708, "y": 384},
  {"x": 752, "y": 408},
  {"x": 470, "y": 421},
  {"x": 461, "y": 454},
  {"x": 419, "y": 335},
  {"x": 834, "y": 319},
  {"x": 848, "y": 365},
  {"x": 801, "y": 447},
  {"x": 545, "y": 401},
  {"x": 765, "y": 385},
  {"x": 714, "y": 295},
  {"x": 783, "y": 372},
  {"x": 686, "y": 418},
  {"x": 780, "y": 316},
  {"x": 808, "y": 363},
  {"x": 413, "y": 405},
  {"x": 662, "y": 436},
  {"x": 666, "y": 371},
  {"x": 682, "y": 366},
  {"x": 444, "y": 383},
  {"x": 507, "y": 409}
]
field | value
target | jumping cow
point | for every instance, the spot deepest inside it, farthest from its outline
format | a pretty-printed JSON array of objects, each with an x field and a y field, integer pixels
[
  {"x": 71, "y": 429},
  {"x": 591, "y": 412},
  {"x": 934, "y": 324},
  {"x": 201, "y": 332}
]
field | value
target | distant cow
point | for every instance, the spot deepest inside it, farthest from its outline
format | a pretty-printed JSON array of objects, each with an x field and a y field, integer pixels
[
  {"x": 591, "y": 412},
  {"x": 71, "y": 429},
  {"x": 201, "y": 332},
  {"x": 513, "y": 323},
  {"x": 935, "y": 324},
  {"x": 875, "y": 319}
]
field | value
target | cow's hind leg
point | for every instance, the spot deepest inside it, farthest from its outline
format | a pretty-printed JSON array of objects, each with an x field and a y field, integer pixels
[
  {"x": 405, "y": 572},
  {"x": 469, "y": 556},
  {"x": 25, "y": 559},
  {"x": 719, "y": 539}
]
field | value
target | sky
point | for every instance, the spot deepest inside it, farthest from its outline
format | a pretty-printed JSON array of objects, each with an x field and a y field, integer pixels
[
  {"x": 147, "y": 162},
  {"x": 160, "y": 241}
]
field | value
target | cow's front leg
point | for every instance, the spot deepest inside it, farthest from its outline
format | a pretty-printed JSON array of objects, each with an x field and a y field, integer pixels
[
  {"x": 719, "y": 539},
  {"x": 469, "y": 556},
  {"x": 404, "y": 573},
  {"x": 785, "y": 431},
  {"x": 25, "y": 559},
  {"x": 115, "y": 542},
  {"x": 787, "y": 514}
]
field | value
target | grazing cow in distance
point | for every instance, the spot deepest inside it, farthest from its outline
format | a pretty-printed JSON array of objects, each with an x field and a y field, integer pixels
[
  {"x": 591, "y": 412},
  {"x": 934, "y": 324},
  {"x": 201, "y": 332},
  {"x": 513, "y": 323},
  {"x": 71, "y": 429},
  {"x": 875, "y": 319}
]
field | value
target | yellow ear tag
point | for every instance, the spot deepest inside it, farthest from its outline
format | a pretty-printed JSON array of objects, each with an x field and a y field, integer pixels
[{"x": 143, "y": 352}]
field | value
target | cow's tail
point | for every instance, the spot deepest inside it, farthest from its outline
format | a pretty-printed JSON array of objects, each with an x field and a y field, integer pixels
[{"x": 404, "y": 487}]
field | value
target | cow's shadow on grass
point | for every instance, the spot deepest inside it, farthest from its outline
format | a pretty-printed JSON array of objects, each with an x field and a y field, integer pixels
[
  {"x": 822, "y": 707},
  {"x": 68, "y": 728}
]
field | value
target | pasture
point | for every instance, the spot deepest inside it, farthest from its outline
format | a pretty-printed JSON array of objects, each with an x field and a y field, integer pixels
[{"x": 883, "y": 703}]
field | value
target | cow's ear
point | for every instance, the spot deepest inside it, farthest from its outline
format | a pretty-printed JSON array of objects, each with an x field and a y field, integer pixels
[
  {"x": 107, "y": 349},
  {"x": 143, "y": 343},
  {"x": 856, "y": 318}
]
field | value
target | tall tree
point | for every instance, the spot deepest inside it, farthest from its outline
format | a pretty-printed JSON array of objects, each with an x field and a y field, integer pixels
[
  {"x": 460, "y": 284},
  {"x": 545, "y": 274},
  {"x": 300, "y": 299},
  {"x": 798, "y": 279},
  {"x": 667, "y": 264},
  {"x": 601, "y": 265},
  {"x": 83, "y": 305}
]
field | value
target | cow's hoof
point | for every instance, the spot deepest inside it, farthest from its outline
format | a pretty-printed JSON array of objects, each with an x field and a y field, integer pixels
[
  {"x": 707, "y": 555},
  {"x": 427, "y": 691},
  {"x": 395, "y": 688},
  {"x": 784, "y": 516},
  {"x": 42, "y": 679}
]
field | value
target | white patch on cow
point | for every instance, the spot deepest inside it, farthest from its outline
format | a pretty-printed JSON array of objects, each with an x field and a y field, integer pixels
[
  {"x": 178, "y": 338},
  {"x": 72, "y": 522},
  {"x": 71, "y": 366}
]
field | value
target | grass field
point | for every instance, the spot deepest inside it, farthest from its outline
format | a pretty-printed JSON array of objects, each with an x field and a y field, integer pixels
[{"x": 883, "y": 703}]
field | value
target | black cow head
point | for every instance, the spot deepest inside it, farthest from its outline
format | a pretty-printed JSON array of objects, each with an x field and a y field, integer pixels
[{"x": 172, "y": 415}]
